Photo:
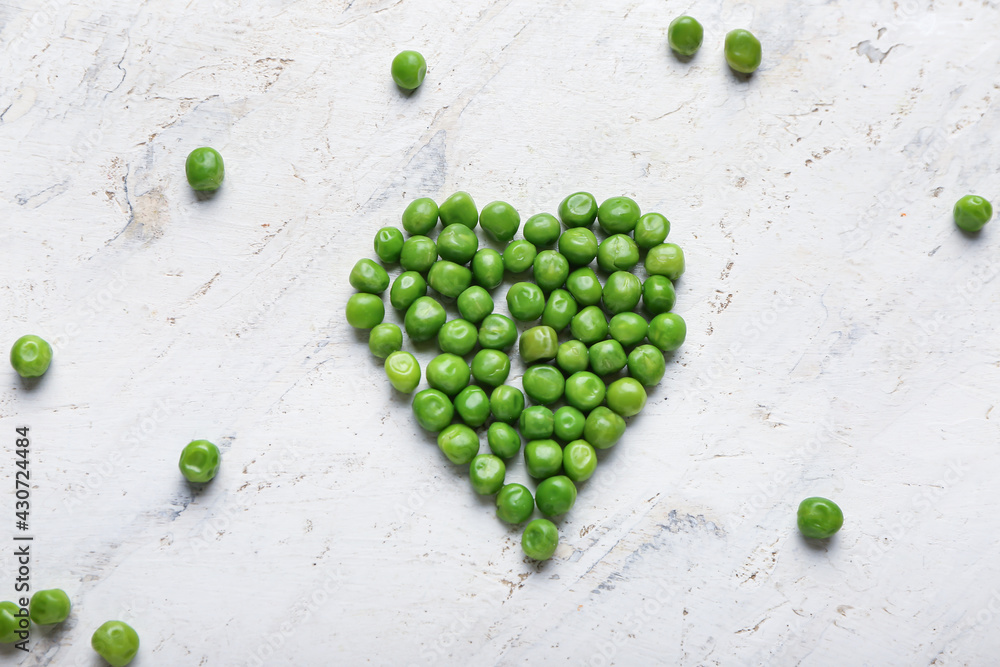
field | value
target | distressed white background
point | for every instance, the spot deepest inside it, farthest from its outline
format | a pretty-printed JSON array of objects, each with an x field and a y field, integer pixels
[{"x": 842, "y": 333}]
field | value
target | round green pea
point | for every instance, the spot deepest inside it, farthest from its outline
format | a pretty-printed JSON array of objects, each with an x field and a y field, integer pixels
[
  {"x": 658, "y": 295},
  {"x": 542, "y": 230},
  {"x": 487, "y": 268},
  {"x": 556, "y": 495},
  {"x": 204, "y": 169},
  {"x": 651, "y": 230},
  {"x": 518, "y": 256},
  {"x": 433, "y": 410},
  {"x": 514, "y": 504},
  {"x": 550, "y": 270},
  {"x": 497, "y": 332},
  {"x": 49, "y": 607},
  {"x": 540, "y": 539},
  {"x": 407, "y": 288},
  {"x": 503, "y": 440},
  {"x": 573, "y": 357},
  {"x": 364, "y": 311},
  {"x": 506, "y": 403},
  {"x": 589, "y": 325},
  {"x": 604, "y": 428},
  {"x": 473, "y": 406},
  {"x": 607, "y": 357},
  {"x": 459, "y": 208},
  {"x": 500, "y": 220},
  {"x": 403, "y": 371},
  {"x": 384, "y": 339},
  {"x": 543, "y": 458},
  {"x": 423, "y": 319},
  {"x": 626, "y": 397},
  {"x": 457, "y": 243},
  {"x": 368, "y": 276},
  {"x": 116, "y": 642},
  {"x": 646, "y": 364},
  {"x": 525, "y": 301},
  {"x": 819, "y": 518},
  {"x": 10, "y": 618},
  {"x": 622, "y": 292},
  {"x": 388, "y": 244},
  {"x": 667, "y": 331},
  {"x": 474, "y": 304},
  {"x": 538, "y": 344},
  {"x": 617, "y": 253},
  {"x": 536, "y": 422},
  {"x": 628, "y": 328},
  {"x": 579, "y": 460},
  {"x": 449, "y": 278},
  {"x": 618, "y": 215},
  {"x": 972, "y": 213},
  {"x": 199, "y": 461},
  {"x": 584, "y": 286},
  {"x": 457, "y": 337},
  {"x": 578, "y": 210},
  {"x": 409, "y": 69},
  {"x": 568, "y": 423},
  {"x": 448, "y": 373},
  {"x": 584, "y": 391},
  {"x": 418, "y": 254},
  {"x": 420, "y": 216},
  {"x": 578, "y": 245},
  {"x": 543, "y": 383},
  {"x": 459, "y": 443},
  {"x": 490, "y": 367},
  {"x": 31, "y": 355},
  {"x": 487, "y": 472},
  {"x": 559, "y": 310},
  {"x": 742, "y": 51},
  {"x": 666, "y": 259},
  {"x": 684, "y": 34}
]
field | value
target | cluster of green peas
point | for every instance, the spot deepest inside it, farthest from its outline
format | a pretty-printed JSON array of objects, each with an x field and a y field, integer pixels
[{"x": 565, "y": 297}]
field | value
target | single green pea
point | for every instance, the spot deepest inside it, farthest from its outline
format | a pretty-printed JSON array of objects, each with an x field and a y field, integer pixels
[
  {"x": 11, "y": 627},
  {"x": 503, "y": 440},
  {"x": 473, "y": 406},
  {"x": 457, "y": 243},
  {"x": 543, "y": 458},
  {"x": 49, "y": 607},
  {"x": 667, "y": 331},
  {"x": 628, "y": 328},
  {"x": 389, "y": 244},
  {"x": 424, "y": 319},
  {"x": 514, "y": 504},
  {"x": 490, "y": 367},
  {"x": 487, "y": 267},
  {"x": 384, "y": 339},
  {"x": 525, "y": 301},
  {"x": 568, "y": 423},
  {"x": 972, "y": 213},
  {"x": 573, "y": 357},
  {"x": 819, "y": 518},
  {"x": 658, "y": 295},
  {"x": 579, "y": 460},
  {"x": 474, "y": 304},
  {"x": 538, "y": 344},
  {"x": 607, "y": 357},
  {"x": 31, "y": 355},
  {"x": 204, "y": 169},
  {"x": 578, "y": 245},
  {"x": 487, "y": 473},
  {"x": 578, "y": 210},
  {"x": 584, "y": 391},
  {"x": 742, "y": 51},
  {"x": 409, "y": 69},
  {"x": 116, "y": 642},
  {"x": 449, "y": 278},
  {"x": 459, "y": 208},
  {"x": 448, "y": 373},
  {"x": 403, "y": 371},
  {"x": 458, "y": 443},
  {"x": 550, "y": 270},
  {"x": 540, "y": 539},
  {"x": 364, "y": 311},
  {"x": 458, "y": 337},
  {"x": 418, "y": 254},
  {"x": 646, "y": 364},
  {"x": 559, "y": 310},
  {"x": 407, "y": 288},
  {"x": 684, "y": 35},
  {"x": 536, "y": 422},
  {"x": 518, "y": 256},
  {"x": 368, "y": 276},
  {"x": 506, "y": 403},
  {"x": 604, "y": 428},
  {"x": 500, "y": 220},
  {"x": 585, "y": 287},
  {"x": 420, "y": 216},
  {"x": 618, "y": 215},
  {"x": 542, "y": 230},
  {"x": 589, "y": 325},
  {"x": 556, "y": 495},
  {"x": 543, "y": 383},
  {"x": 626, "y": 396},
  {"x": 666, "y": 259},
  {"x": 622, "y": 292},
  {"x": 651, "y": 230},
  {"x": 497, "y": 332},
  {"x": 433, "y": 410},
  {"x": 617, "y": 253}
]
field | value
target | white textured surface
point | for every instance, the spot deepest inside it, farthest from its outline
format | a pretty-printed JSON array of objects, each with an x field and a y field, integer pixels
[{"x": 842, "y": 333}]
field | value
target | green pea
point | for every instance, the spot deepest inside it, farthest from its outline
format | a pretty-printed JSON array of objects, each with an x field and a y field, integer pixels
[
  {"x": 578, "y": 245},
  {"x": 449, "y": 278},
  {"x": 578, "y": 210},
  {"x": 500, "y": 220},
  {"x": 585, "y": 287},
  {"x": 525, "y": 301},
  {"x": 388, "y": 244},
  {"x": 684, "y": 34},
  {"x": 579, "y": 460},
  {"x": 418, "y": 254},
  {"x": 490, "y": 367},
  {"x": 384, "y": 339},
  {"x": 819, "y": 518},
  {"x": 487, "y": 267},
  {"x": 604, "y": 428},
  {"x": 589, "y": 325},
  {"x": 618, "y": 215},
  {"x": 368, "y": 276},
  {"x": 433, "y": 410},
  {"x": 448, "y": 373},
  {"x": 658, "y": 295},
  {"x": 550, "y": 270},
  {"x": 584, "y": 391},
  {"x": 628, "y": 328},
  {"x": 617, "y": 253},
  {"x": 31, "y": 355},
  {"x": 543, "y": 384},
  {"x": 423, "y": 319},
  {"x": 972, "y": 213},
  {"x": 536, "y": 422},
  {"x": 543, "y": 458},
  {"x": 651, "y": 230},
  {"x": 408, "y": 70},
  {"x": 667, "y": 331},
  {"x": 622, "y": 292},
  {"x": 457, "y": 243},
  {"x": 403, "y": 371},
  {"x": 459, "y": 209},
  {"x": 646, "y": 364},
  {"x": 666, "y": 259},
  {"x": 199, "y": 461},
  {"x": 540, "y": 539},
  {"x": 538, "y": 344},
  {"x": 457, "y": 337},
  {"x": 474, "y": 304},
  {"x": 742, "y": 51},
  {"x": 407, "y": 288},
  {"x": 626, "y": 397},
  {"x": 573, "y": 357},
  {"x": 607, "y": 357},
  {"x": 204, "y": 169},
  {"x": 503, "y": 440},
  {"x": 559, "y": 310},
  {"x": 473, "y": 406},
  {"x": 497, "y": 332},
  {"x": 116, "y": 642},
  {"x": 542, "y": 230},
  {"x": 568, "y": 423},
  {"x": 363, "y": 312},
  {"x": 487, "y": 473},
  {"x": 555, "y": 496},
  {"x": 10, "y": 618},
  {"x": 518, "y": 256},
  {"x": 506, "y": 403},
  {"x": 458, "y": 443},
  {"x": 49, "y": 607},
  {"x": 420, "y": 216},
  {"x": 514, "y": 504}
]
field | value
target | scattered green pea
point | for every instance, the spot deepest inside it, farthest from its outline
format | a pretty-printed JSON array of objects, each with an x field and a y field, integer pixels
[
  {"x": 584, "y": 391},
  {"x": 658, "y": 295},
  {"x": 604, "y": 428},
  {"x": 458, "y": 443},
  {"x": 487, "y": 473},
  {"x": 31, "y": 355},
  {"x": 420, "y": 216},
  {"x": 433, "y": 410},
  {"x": 646, "y": 364},
  {"x": 497, "y": 332},
  {"x": 555, "y": 495},
  {"x": 578, "y": 210},
  {"x": 418, "y": 254},
  {"x": 585, "y": 287},
  {"x": 537, "y": 423},
  {"x": 423, "y": 319},
  {"x": 459, "y": 208},
  {"x": 622, "y": 292},
  {"x": 490, "y": 367},
  {"x": 540, "y": 539},
  {"x": 550, "y": 270},
  {"x": 506, "y": 403},
  {"x": 626, "y": 396},
  {"x": 578, "y": 245},
  {"x": 457, "y": 243},
  {"x": 684, "y": 35},
  {"x": 116, "y": 642},
  {"x": 11, "y": 618},
  {"x": 368, "y": 276},
  {"x": 579, "y": 460},
  {"x": 518, "y": 256},
  {"x": 618, "y": 215},
  {"x": 525, "y": 301},
  {"x": 972, "y": 213},
  {"x": 473, "y": 406},
  {"x": 543, "y": 458},
  {"x": 449, "y": 278},
  {"x": 364, "y": 311},
  {"x": 409, "y": 69},
  {"x": 617, "y": 253},
  {"x": 559, "y": 310},
  {"x": 651, "y": 230},
  {"x": 543, "y": 383},
  {"x": 567, "y": 423},
  {"x": 487, "y": 268},
  {"x": 667, "y": 331},
  {"x": 389, "y": 244},
  {"x": 204, "y": 169},
  {"x": 666, "y": 259},
  {"x": 589, "y": 325},
  {"x": 819, "y": 518},
  {"x": 573, "y": 357},
  {"x": 407, "y": 288},
  {"x": 514, "y": 503},
  {"x": 448, "y": 373},
  {"x": 607, "y": 357},
  {"x": 474, "y": 304},
  {"x": 500, "y": 220},
  {"x": 742, "y": 51},
  {"x": 503, "y": 440},
  {"x": 199, "y": 461},
  {"x": 457, "y": 337},
  {"x": 628, "y": 328},
  {"x": 538, "y": 344},
  {"x": 403, "y": 371},
  {"x": 542, "y": 230},
  {"x": 49, "y": 607}
]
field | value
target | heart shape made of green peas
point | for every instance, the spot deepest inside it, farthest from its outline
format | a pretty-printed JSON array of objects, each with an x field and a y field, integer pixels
[{"x": 590, "y": 354}]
